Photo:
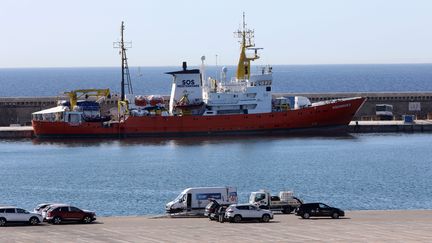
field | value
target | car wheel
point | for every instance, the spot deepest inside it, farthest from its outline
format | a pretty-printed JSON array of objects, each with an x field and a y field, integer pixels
[
  {"x": 2, "y": 221},
  {"x": 34, "y": 221},
  {"x": 237, "y": 218},
  {"x": 335, "y": 215},
  {"x": 56, "y": 220},
  {"x": 265, "y": 218},
  {"x": 306, "y": 215},
  {"x": 87, "y": 220}
]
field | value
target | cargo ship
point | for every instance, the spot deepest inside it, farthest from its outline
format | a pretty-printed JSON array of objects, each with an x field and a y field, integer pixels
[{"x": 197, "y": 105}]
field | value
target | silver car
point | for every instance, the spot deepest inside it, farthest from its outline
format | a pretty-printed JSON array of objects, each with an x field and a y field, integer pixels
[
  {"x": 10, "y": 214},
  {"x": 239, "y": 212}
]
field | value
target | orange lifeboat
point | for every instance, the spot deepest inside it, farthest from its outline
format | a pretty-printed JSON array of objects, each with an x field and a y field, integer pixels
[
  {"x": 141, "y": 101},
  {"x": 156, "y": 100}
]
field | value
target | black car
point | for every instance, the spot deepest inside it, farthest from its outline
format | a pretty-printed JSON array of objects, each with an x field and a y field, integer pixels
[{"x": 308, "y": 210}]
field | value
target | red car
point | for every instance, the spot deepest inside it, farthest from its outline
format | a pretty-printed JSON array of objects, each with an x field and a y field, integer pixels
[{"x": 61, "y": 213}]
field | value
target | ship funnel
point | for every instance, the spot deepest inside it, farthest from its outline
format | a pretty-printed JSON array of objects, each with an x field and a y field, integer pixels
[{"x": 186, "y": 88}]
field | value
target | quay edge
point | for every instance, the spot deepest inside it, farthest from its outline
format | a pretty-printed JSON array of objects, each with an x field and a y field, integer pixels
[{"x": 418, "y": 126}]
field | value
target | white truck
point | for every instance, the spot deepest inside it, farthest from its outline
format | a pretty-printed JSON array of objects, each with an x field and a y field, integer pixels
[
  {"x": 194, "y": 200},
  {"x": 285, "y": 202}
]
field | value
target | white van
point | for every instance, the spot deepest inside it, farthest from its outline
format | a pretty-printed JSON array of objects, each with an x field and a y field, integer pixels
[{"x": 196, "y": 199}]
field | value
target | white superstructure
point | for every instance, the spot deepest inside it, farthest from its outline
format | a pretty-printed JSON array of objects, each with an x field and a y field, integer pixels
[{"x": 239, "y": 96}]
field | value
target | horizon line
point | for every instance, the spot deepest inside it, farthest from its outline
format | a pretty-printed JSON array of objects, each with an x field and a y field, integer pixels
[{"x": 157, "y": 66}]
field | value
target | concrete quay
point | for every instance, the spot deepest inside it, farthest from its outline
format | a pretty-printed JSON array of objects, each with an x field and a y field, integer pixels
[
  {"x": 389, "y": 126},
  {"x": 16, "y": 132},
  {"x": 357, "y": 226}
]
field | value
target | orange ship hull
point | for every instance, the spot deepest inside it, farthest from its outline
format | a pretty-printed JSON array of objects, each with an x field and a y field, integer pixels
[{"x": 332, "y": 115}]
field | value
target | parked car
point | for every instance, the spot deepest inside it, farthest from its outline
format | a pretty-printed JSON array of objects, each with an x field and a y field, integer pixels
[
  {"x": 9, "y": 214},
  {"x": 59, "y": 213},
  {"x": 40, "y": 207},
  {"x": 49, "y": 207},
  {"x": 212, "y": 209},
  {"x": 238, "y": 212},
  {"x": 308, "y": 210}
]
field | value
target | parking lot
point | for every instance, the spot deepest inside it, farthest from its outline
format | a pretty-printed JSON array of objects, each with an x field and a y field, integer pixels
[{"x": 401, "y": 226}]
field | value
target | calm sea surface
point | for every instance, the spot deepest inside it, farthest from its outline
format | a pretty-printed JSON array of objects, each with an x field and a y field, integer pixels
[
  {"x": 288, "y": 78},
  {"x": 137, "y": 177}
]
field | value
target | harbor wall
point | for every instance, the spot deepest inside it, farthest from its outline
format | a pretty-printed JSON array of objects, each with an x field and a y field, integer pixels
[{"x": 17, "y": 110}]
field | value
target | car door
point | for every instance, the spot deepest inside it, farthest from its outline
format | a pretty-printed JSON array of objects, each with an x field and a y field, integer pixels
[
  {"x": 324, "y": 210},
  {"x": 254, "y": 212},
  {"x": 243, "y": 211},
  {"x": 11, "y": 214},
  {"x": 189, "y": 202},
  {"x": 314, "y": 209},
  {"x": 64, "y": 213},
  {"x": 22, "y": 215},
  {"x": 75, "y": 213}
]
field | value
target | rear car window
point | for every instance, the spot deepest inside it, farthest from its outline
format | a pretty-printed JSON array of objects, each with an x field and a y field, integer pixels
[
  {"x": 210, "y": 205},
  {"x": 74, "y": 209},
  {"x": 10, "y": 210},
  {"x": 2, "y": 210},
  {"x": 243, "y": 207},
  {"x": 43, "y": 206}
]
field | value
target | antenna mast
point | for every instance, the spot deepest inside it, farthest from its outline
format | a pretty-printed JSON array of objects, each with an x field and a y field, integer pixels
[
  {"x": 246, "y": 43},
  {"x": 124, "y": 66}
]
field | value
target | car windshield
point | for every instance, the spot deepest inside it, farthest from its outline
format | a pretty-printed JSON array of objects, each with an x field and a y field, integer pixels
[
  {"x": 180, "y": 197},
  {"x": 258, "y": 197}
]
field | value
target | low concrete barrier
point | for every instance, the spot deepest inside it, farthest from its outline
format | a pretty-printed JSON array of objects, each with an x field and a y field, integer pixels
[
  {"x": 16, "y": 132},
  {"x": 389, "y": 126}
]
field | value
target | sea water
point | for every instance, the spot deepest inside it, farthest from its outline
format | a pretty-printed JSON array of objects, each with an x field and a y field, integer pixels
[
  {"x": 139, "y": 176},
  {"x": 286, "y": 78}
]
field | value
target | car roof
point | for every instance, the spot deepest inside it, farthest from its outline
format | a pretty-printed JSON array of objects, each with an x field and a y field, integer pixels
[
  {"x": 8, "y": 207},
  {"x": 309, "y": 204},
  {"x": 242, "y": 204},
  {"x": 41, "y": 204},
  {"x": 58, "y": 205}
]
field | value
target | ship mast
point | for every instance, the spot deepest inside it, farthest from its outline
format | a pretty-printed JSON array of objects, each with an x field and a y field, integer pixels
[
  {"x": 124, "y": 66},
  {"x": 246, "y": 43}
]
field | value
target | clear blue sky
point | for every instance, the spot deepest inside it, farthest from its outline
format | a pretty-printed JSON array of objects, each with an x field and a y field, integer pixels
[{"x": 79, "y": 33}]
